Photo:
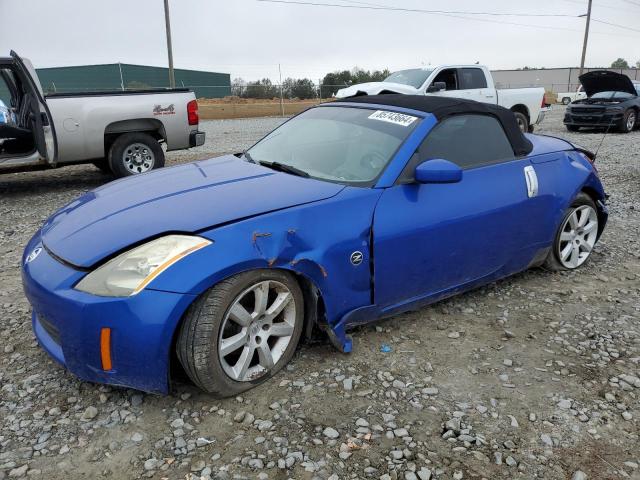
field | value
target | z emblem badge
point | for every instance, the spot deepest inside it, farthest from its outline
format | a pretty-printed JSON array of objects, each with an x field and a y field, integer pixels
[{"x": 356, "y": 258}]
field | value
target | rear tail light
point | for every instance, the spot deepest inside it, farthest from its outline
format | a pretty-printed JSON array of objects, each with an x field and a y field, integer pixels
[
  {"x": 192, "y": 112},
  {"x": 543, "y": 104}
]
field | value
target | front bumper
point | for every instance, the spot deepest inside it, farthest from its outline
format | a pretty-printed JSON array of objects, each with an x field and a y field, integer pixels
[
  {"x": 67, "y": 324},
  {"x": 592, "y": 118},
  {"x": 196, "y": 139}
]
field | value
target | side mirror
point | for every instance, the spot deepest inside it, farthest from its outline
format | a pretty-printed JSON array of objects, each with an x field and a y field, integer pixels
[
  {"x": 437, "y": 87},
  {"x": 438, "y": 171}
]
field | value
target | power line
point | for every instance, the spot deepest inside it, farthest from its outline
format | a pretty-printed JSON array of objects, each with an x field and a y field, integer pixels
[
  {"x": 371, "y": 6},
  {"x": 452, "y": 14},
  {"x": 600, "y": 5},
  {"x": 615, "y": 25}
]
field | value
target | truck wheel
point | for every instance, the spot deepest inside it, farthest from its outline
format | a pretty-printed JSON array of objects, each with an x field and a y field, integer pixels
[
  {"x": 566, "y": 100},
  {"x": 523, "y": 123},
  {"x": 629, "y": 121},
  {"x": 134, "y": 153}
]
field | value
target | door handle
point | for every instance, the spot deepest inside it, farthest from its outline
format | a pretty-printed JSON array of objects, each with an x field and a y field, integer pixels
[{"x": 532, "y": 181}]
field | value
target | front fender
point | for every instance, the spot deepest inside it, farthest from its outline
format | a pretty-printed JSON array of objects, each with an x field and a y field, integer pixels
[{"x": 315, "y": 240}]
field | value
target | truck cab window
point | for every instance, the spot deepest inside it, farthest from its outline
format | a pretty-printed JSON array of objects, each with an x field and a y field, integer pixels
[
  {"x": 472, "y": 78},
  {"x": 450, "y": 77}
]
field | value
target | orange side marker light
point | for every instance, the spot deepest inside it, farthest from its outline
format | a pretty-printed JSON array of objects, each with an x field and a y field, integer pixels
[{"x": 105, "y": 348}]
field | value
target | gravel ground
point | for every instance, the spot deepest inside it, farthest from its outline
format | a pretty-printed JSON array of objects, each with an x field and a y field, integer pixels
[{"x": 535, "y": 376}]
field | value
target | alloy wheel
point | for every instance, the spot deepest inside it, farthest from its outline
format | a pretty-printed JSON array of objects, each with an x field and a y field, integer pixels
[
  {"x": 256, "y": 330},
  {"x": 631, "y": 121},
  {"x": 138, "y": 158},
  {"x": 577, "y": 236}
]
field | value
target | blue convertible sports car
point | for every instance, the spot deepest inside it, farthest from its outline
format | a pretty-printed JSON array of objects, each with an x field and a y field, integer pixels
[{"x": 347, "y": 213}]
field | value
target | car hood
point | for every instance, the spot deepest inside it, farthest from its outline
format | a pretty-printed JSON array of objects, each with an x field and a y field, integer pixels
[
  {"x": 375, "y": 88},
  {"x": 187, "y": 198},
  {"x": 606, "y": 81}
]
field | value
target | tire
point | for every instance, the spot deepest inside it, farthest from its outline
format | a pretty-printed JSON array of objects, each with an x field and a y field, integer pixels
[
  {"x": 209, "y": 322},
  {"x": 584, "y": 242},
  {"x": 135, "y": 153},
  {"x": 572, "y": 128},
  {"x": 523, "y": 123},
  {"x": 566, "y": 100},
  {"x": 629, "y": 121},
  {"x": 103, "y": 166}
]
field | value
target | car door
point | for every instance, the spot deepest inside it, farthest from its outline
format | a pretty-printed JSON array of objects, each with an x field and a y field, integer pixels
[
  {"x": 43, "y": 128},
  {"x": 474, "y": 83},
  {"x": 430, "y": 239}
]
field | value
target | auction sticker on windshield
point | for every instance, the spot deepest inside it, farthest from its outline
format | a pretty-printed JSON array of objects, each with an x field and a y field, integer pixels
[{"x": 393, "y": 117}]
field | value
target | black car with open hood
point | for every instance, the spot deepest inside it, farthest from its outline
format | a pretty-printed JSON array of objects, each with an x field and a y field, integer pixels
[{"x": 613, "y": 102}]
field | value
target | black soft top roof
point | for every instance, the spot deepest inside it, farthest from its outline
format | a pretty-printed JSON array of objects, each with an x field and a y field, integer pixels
[{"x": 443, "y": 107}]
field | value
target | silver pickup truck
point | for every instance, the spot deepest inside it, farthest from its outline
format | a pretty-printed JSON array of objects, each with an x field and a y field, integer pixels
[{"x": 120, "y": 132}]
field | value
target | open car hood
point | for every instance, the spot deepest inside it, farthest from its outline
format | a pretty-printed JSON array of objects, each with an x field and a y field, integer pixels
[
  {"x": 375, "y": 88},
  {"x": 183, "y": 199},
  {"x": 606, "y": 81}
]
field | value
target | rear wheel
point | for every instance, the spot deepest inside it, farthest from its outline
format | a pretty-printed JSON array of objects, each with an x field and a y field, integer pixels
[
  {"x": 572, "y": 128},
  {"x": 134, "y": 153},
  {"x": 566, "y": 100},
  {"x": 576, "y": 237},
  {"x": 523, "y": 122},
  {"x": 629, "y": 121},
  {"x": 242, "y": 331}
]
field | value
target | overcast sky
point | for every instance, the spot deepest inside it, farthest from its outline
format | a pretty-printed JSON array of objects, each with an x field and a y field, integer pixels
[{"x": 248, "y": 38}]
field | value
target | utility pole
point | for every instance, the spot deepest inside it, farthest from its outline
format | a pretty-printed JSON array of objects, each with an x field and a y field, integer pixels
[
  {"x": 172, "y": 78},
  {"x": 586, "y": 36},
  {"x": 281, "y": 93}
]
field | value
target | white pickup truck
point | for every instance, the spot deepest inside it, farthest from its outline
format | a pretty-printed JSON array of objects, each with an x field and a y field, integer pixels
[
  {"x": 473, "y": 82},
  {"x": 119, "y": 131},
  {"x": 566, "y": 98}
]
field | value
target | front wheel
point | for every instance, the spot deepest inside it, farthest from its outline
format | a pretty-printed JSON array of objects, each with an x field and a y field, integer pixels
[
  {"x": 566, "y": 100},
  {"x": 629, "y": 121},
  {"x": 576, "y": 237},
  {"x": 242, "y": 331},
  {"x": 523, "y": 122},
  {"x": 134, "y": 153}
]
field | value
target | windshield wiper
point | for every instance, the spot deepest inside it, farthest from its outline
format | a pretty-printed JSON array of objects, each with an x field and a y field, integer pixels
[
  {"x": 281, "y": 167},
  {"x": 246, "y": 155}
]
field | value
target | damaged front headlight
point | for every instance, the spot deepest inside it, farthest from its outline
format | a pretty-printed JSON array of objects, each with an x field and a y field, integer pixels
[{"x": 130, "y": 272}]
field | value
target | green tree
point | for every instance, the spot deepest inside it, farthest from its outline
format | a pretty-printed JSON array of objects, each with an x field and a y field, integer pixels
[
  {"x": 332, "y": 82},
  {"x": 303, "y": 88},
  {"x": 262, "y": 89},
  {"x": 620, "y": 63}
]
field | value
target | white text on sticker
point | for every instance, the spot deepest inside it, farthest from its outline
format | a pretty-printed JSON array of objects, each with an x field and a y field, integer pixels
[{"x": 393, "y": 117}]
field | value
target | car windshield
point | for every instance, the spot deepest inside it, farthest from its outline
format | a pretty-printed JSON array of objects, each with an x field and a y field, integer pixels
[
  {"x": 340, "y": 144},
  {"x": 611, "y": 95},
  {"x": 414, "y": 77}
]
